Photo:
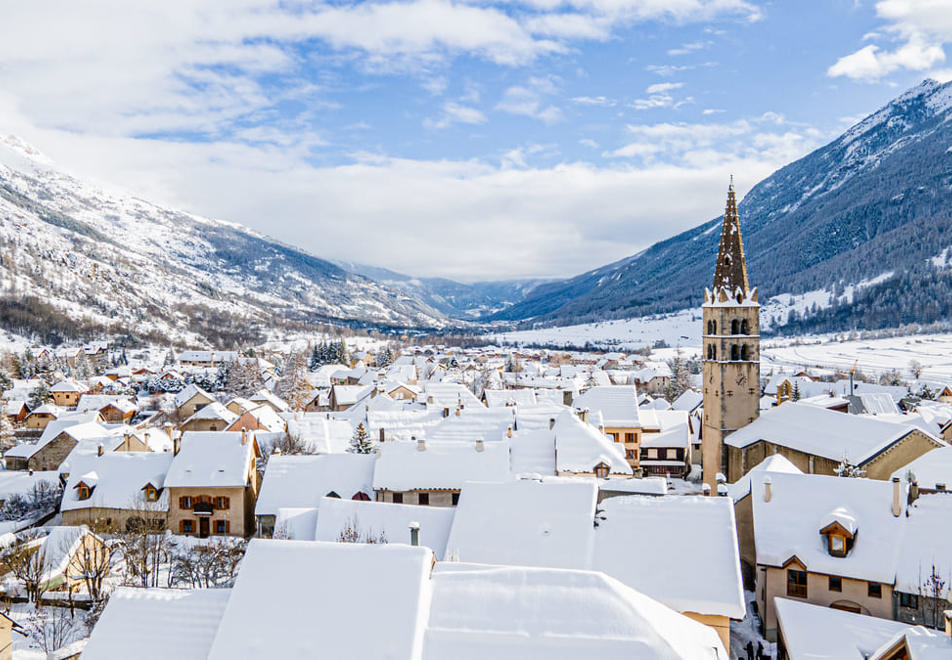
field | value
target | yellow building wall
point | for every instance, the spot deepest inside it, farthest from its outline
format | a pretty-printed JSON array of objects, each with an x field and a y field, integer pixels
[{"x": 720, "y": 624}]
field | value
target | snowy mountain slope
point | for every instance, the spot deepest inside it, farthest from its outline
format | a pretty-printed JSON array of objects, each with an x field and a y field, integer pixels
[
  {"x": 456, "y": 299},
  {"x": 876, "y": 199},
  {"x": 112, "y": 260}
]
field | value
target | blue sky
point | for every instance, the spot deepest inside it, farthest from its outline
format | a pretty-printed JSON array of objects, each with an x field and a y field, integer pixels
[{"x": 474, "y": 140}]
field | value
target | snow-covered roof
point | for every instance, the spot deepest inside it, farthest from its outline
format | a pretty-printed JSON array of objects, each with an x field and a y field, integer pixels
[
  {"x": 821, "y": 633},
  {"x": 618, "y": 404},
  {"x": 510, "y": 613},
  {"x": 402, "y": 466},
  {"x": 822, "y": 432},
  {"x": 502, "y": 398},
  {"x": 932, "y": 468},
  {"x": 158, "y": 624},
  {"x": 372, "y": 520},
  {"x": 121, "y": 476},
  {"x": 21, "y": 482},
  {"x": 632, "y": 486},
  {"x": 320, "y": 434},
  {"x": 214, "y": 411},
  {"x": 189, "y": 391},
  {"x": 580, "y": 447},
  {"x": 303, "y": 480},
  {"x": 297, "y": 599},
  {"x": 665, "y": 533},
  {"x": 689, "y": 401},
  {"x": 266, "y": 396},
  {"x": 532, "y": 452},
  {"x": 533, "y": 522},
  {"x": 448, "y": 395},
  {"x": 68, "y": 386},
  {"x": 211, "y": 459},
  {"x": 773, "y": 463},
  {"x": 97, "y": 402}
]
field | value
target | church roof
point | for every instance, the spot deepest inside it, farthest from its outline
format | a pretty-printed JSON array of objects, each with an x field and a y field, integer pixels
[{"x": 731, "y": 268}]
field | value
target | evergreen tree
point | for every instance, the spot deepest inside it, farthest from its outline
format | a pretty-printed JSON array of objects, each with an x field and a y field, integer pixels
[
  {"x": 796, "y": 390},
  {"x": 39, "y": 396},
  {"x": 315, "y": 363},
  {"x": 361, "y": 443}
]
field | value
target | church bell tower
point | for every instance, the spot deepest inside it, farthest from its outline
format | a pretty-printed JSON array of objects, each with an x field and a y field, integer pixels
[{"x": 731, "y": 347}]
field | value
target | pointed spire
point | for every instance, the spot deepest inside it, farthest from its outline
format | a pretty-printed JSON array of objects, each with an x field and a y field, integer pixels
[{"x": 731, "y": 268}]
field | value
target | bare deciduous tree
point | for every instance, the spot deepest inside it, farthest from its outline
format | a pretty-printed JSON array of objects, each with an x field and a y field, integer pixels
[{"x": 25, "y": 559}]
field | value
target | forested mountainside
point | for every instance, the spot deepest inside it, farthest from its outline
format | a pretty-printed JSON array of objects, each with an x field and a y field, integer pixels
[{"x": 874, "y": 205}]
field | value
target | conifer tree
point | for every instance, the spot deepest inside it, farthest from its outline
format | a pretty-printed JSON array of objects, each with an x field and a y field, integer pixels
[
  {"x": 39, "y": 396},
  {"x": 361, "y": 443}
]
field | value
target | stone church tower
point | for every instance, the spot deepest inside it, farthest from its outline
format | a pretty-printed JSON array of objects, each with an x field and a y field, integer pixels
[{"x": 731, "y": 349}]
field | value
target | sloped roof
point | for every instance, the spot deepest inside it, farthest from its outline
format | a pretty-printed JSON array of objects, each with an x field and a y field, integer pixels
[
  {"x": 307, "y": 599},
  {"x": 158, "y": 624},
  {"x": 303, "y": 480},
  {"x": 580, "y": 447},
  {"x": 618, "y": 404},
  {"x": 215, "y": 458},
  {"x": 121, "y": 478},
  {"x": 401, "y": 466}
]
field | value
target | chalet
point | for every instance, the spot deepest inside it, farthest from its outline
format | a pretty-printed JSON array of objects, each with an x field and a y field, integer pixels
[
  {"x": 118, "y": 490},
  {"x": 206, "y": 358},
  {"x": 812, "y": 632},
  {"x": 212, "y": 484},
  {"x": 260, "y": 418},
  {"x": 191, "y": 399},
  {"x": 66, "y": 553},
  {"x": 268, "y": 398},
  {"x": 615, "y": 409},
  {"x": 239, "y": 405},
  {"x": 581, "y": 450},
  {"x": 112, "y": 408},
  {"x": 343, "y": 397},
  {"x": 665, "y": 442},
  {"x": 875, "y": 553},
  {"x": 16, "y": 411},
  {"x": 211, "y": 417},
  {"x": 433, "y": 472},
  {"x": 40, "y": 417},
  {"x": 60, "y": 439},
  {"x": 301, "y": 482},
  {"x": 817, "y": 441}
]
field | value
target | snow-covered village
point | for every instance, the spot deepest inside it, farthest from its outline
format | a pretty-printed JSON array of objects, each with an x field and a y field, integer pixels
[{"x": 438, "y": 330}]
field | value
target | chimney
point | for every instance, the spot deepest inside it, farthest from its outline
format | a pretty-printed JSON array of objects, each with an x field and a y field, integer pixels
[
  {"x": 414, "y": 533},
  {"x": 896, "y": 500},
  {"x": 170, "y": 431},
  {"x": 99, "y": 449},
  {"x": 176, "y": 445},
  {"x": 382, "y": 435},
  {"x": 430, "y": 399},
  {"x": 420, "y": 443},
  {"x": 31, "y": 469},
  {"x": 551, "y": 423},
  {"x": 480, "y": 445},
  {"x": 126, "y": 438},
  {"x": 244, "y": 435},
  {"x": 768, "y": 489},
  {"x": 913, "y": 491},
  {"x": 947, "y": 615},
  {"x": 509, "y": 432},
  {"x": 584, "y": 415},
  {"x": 446, "y": 412},
  {"x": 276, "y": 451}
]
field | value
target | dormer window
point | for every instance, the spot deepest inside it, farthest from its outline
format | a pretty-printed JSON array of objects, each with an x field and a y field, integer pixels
[
  {"x": 151, "y": 494},
  {"x": 840, "y": 530},
  {"x": 83, "y": 491},
  {"x": 601, "y": 471}
]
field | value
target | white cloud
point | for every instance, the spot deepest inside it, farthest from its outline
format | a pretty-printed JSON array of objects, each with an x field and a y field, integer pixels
[
  {"x": 528, "y": 100},
  {"x": 456, "y": 113},
  {"x": 594, "y": 100},
  {"x": 659, "y": 88},
  {"x": 916, "y": 32}
]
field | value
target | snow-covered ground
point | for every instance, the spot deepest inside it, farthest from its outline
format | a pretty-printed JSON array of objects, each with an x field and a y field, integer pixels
[
  {"x": 679, "y": 329},
  {"x": 871, "y": 356}
]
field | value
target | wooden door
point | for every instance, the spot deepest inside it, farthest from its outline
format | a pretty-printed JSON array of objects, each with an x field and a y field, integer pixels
[{"x": 203, "y": 523}]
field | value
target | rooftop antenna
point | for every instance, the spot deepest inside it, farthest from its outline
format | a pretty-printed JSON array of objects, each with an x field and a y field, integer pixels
[{"x": 852, "y": 371}]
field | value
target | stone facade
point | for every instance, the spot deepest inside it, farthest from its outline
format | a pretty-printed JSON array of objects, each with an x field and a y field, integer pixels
[
  {"x": 202, "y": 514},
  {"x": 731, "y": 348}
]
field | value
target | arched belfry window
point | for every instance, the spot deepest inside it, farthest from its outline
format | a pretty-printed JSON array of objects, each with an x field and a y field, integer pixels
[
  {"x": 713, "y": 327},
  {"x": 735, "y": 352},
  {"x": 745, "y": 352},
  {"x": 745, "y": 327},
  {"x": 711, "y": 352},
  {"x": 735, "y": 327}
]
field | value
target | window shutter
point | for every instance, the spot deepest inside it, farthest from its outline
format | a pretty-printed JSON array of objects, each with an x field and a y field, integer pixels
[
  {"x": 181, "y": 526},
  {"x": 181, "y": 503},
  {"x": 227, "y": 503},
  {"x": 227, "y": 527}
]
